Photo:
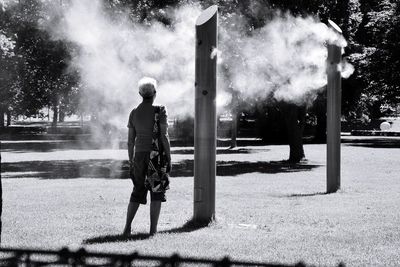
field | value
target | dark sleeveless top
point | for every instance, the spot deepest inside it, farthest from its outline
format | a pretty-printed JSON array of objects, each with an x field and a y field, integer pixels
[{"x": 141, "y": 120}]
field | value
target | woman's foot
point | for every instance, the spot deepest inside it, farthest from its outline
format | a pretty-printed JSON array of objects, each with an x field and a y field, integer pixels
[
  {"x": 126, "y": 232},
  {"x": 130, "y": 214},
  {"x": 153, "y": 233}
]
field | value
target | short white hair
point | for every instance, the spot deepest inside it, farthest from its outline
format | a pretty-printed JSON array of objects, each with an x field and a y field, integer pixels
[{"x": 147, "y": 87}]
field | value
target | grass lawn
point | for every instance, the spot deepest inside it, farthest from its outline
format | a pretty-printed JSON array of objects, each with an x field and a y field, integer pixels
[{"x": 266, "y": 210}]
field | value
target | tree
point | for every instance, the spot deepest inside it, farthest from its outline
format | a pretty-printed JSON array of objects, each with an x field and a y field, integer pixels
[
  {"x": 8, "y": 70},
  {"x": 38, "y": 74},
  {"x": 294, "y": 117},
  {"x": 45, "y": 77},
  {"x": 383, "y": 27},
  {"x": 257, "y": 14},
  {"x": 375, "y": 56}
]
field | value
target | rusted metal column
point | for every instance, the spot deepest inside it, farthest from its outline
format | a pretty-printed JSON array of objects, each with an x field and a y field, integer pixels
[
  {"x": 333, "y": 113},
  {"x": 205, "y": 126}
]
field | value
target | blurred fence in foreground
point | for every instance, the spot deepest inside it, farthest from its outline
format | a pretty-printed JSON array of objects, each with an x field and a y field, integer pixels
[{"x": 66, "y": 257}]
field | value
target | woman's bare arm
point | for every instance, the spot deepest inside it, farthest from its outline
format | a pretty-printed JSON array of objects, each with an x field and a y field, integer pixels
[{"x": 131, "y": 143}]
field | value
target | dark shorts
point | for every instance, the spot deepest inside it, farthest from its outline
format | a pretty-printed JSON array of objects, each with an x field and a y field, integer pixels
[{"x": 139, "y": 193}]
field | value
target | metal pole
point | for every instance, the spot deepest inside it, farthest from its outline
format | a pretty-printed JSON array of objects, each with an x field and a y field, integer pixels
[
  {"x": 1, "y": 198},
  {"x": 333, "y": 114},
  {"x": 205, "y": 126}
]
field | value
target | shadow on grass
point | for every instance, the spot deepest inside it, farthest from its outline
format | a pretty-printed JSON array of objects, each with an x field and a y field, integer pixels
[
  {"x": 115, "y": 238},
  {"x": 308, "y": 195},
  {"x": 220, "y": 151},
  {"x": 24, "y": 146},
  {"x": 66, "y": 169},
  {"x": 377, "y": 142},
  {"x": 115, "y": 169},
  {"x": 232, "y": 168},
  {"x": 189, "y": 226}
]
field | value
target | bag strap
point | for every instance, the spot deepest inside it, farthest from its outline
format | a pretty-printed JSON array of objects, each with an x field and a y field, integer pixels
[{"x": 157, "y": 112}]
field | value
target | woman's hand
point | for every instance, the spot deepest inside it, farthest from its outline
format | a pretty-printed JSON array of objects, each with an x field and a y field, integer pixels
[
  {"x": 131, "y": 168},
  {"x": 168, "y": 167}
]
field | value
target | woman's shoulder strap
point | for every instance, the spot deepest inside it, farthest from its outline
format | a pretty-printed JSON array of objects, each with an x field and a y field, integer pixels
[{"x": 159, "y": 109}]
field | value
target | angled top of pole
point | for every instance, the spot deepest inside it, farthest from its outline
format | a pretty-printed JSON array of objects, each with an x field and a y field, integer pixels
[
  {"x": 334, "y": 55},
  {"x": 334, "y": 26},
  {"x": 206, "y": 15}
]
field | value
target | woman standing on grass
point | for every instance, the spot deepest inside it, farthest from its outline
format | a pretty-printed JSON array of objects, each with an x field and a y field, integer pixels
[{"x": 149, "y": 155}]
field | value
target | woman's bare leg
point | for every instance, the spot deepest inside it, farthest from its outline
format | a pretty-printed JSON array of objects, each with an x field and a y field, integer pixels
[
  {"x": 130, "y": 214},
  {"x": 155, "y": 208}
]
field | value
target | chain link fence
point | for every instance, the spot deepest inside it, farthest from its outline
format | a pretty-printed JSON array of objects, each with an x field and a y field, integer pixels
[{"x": 81, "y": 257}]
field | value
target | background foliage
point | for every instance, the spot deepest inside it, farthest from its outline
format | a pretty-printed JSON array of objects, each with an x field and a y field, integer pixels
[{"x": 34, "y": 71}]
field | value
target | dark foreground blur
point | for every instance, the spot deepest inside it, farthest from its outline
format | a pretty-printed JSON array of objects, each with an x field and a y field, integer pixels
[{"x": 65, "y": 257}]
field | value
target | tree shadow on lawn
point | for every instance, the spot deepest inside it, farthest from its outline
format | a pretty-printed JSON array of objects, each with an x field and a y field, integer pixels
[
  {"x": 221, "y": 151},
  {"x": 66, "y": 169},
  {"x": 24, "y": 146},
  {"x": 47, "y": 146},
  {"x": 234, "y": 168},
  {"x": 305, "y": 195},
  {"x": 115, "y": 238},
  {"x": 373, "y": 142},
  {"x": 188, "y": 227},
  {"x": 116, "y": 169}
]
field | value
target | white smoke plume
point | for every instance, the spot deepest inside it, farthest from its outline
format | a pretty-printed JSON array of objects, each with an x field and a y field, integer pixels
[
  {"x": 346, "y": 69},
  {"x": 285, "y": 58},
  {"x": 113, "y": 54}
]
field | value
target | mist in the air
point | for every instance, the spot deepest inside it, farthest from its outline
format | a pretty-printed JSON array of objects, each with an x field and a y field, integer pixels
[{"x": 285, "y": 59}]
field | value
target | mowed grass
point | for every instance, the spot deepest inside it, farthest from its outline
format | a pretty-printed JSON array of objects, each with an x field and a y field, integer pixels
[{"x": 273, "y": 214}]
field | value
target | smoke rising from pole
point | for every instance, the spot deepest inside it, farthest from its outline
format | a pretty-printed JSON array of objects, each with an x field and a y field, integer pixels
[
  {"x": 286, "y": 58},
  {"x": 114, "y": 53}
]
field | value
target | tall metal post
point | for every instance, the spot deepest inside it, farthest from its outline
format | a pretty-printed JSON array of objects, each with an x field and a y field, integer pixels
[
  {"x": 1, "y": 197},
  {"x": 333, "y": 114},
  {"x": 205, "y": 122}
]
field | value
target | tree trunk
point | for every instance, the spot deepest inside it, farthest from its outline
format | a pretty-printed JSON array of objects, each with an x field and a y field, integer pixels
[
  {"x": 234, "y": 129},
  {"x": 55, "y": 114},
  {"x": 61, "y": 116},
  {"x": 320, "y": 112},
  {"x": 320, "y": 129},
  {"x": 2, "y": 119},
  {"x": 8, "y": 117},
  {"x": 294, "y": 117},
  {"x": 234, "y": 125}
]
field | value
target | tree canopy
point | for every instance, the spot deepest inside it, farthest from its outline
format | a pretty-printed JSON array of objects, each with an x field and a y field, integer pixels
[{"x": 35, "y": 73}]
